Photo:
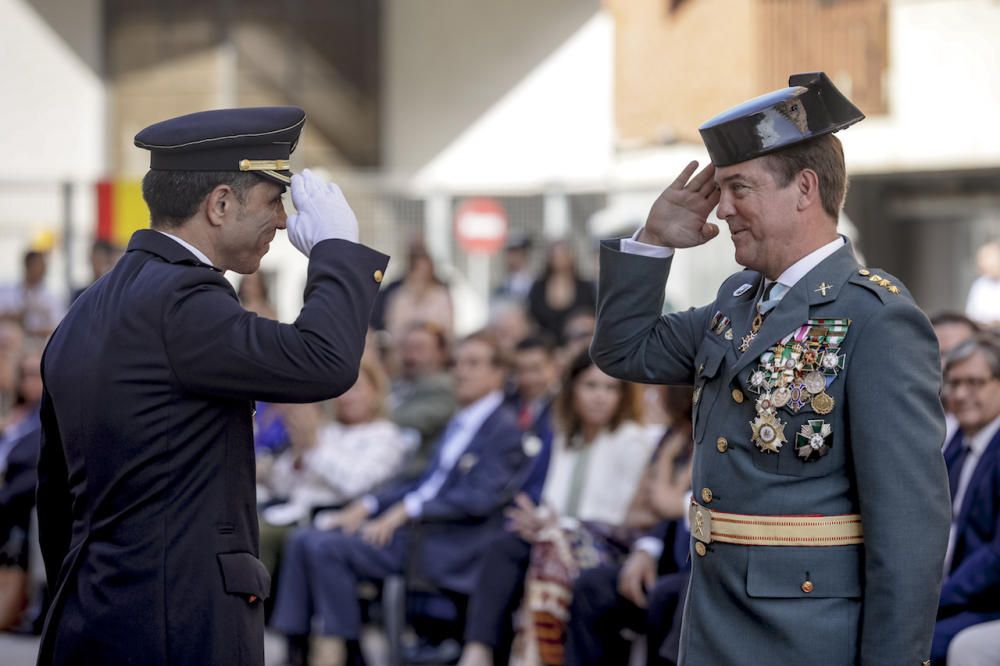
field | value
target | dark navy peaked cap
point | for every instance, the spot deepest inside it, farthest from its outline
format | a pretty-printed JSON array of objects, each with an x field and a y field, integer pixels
[
  {"x": 258, "y": 139},
  {"x": 811, "y": 106}
]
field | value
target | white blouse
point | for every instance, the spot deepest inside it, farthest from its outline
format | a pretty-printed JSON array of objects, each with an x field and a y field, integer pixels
[
  {"x": 614, "y": 466},
  {"x": 346, "y": 462}
]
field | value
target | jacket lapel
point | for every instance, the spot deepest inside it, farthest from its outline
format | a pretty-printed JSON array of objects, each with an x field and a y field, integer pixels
[{"x": 984, "y": 466}]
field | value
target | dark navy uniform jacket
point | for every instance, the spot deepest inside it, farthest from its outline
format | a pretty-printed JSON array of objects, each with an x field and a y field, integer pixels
[{"x": 146, "y": 498}]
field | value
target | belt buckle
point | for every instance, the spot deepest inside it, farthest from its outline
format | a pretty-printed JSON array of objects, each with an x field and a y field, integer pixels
[{"x": 701, "y": 523}]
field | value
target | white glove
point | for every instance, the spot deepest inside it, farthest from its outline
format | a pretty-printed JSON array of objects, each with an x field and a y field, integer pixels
[{"x": 322, "y": 213}]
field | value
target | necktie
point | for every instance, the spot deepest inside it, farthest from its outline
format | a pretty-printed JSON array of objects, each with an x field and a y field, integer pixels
[
  {"x": 772, "y": 296},
  {"x": 954, "y": 458}
]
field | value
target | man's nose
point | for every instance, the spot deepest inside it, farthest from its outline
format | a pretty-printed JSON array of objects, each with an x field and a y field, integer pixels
[
  {"x": 282, "y": 219},
  {"x": 725, "y": 209}
]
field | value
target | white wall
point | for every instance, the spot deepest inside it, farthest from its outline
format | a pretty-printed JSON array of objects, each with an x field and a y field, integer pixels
[
  {"x": 484, "y": 94},
  {"x": 53, "y": 115},
  {"x": 944, "y": 90}
]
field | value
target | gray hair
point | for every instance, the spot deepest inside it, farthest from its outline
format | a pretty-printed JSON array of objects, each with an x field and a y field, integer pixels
[{"x": 985, "y": 344}]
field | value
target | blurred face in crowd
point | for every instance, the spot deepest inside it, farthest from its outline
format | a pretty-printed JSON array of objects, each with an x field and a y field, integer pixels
[
  {"x": 475, "y": 371},
  {"x": 510, "y": 325},
  {"x": 102, "y": 260},
  {"x": 30, "y": 378},
  {"x": 761, "y": 215},
  {"x": 534, "y": 372},
  {"x": 596, "y": 397},
  {"x": 420, "y": 354},
  {"x": 516, "y": 259},
  {"x": 950, "y": 335},
  {"x": 35, "y": 268},
  {"x": 245, "y": 231},
  {"x": 973, "y": 392},
  {"x": 11, "y": 339},
  {"x": 561, "y": 257},
  {"x": 359, "y": 403}
]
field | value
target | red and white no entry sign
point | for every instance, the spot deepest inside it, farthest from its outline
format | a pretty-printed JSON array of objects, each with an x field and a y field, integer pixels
[{"x": 481, "y": 225}]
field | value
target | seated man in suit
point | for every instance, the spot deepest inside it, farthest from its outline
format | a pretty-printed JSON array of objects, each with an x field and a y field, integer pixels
[
  {"x": 477, "y": 466},
  {"x": 970, "y": 593},
  {"x": 536, "y": 382}
]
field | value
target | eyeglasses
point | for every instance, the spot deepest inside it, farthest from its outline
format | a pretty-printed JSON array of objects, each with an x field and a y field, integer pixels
[{"x": 973, "y": 383}]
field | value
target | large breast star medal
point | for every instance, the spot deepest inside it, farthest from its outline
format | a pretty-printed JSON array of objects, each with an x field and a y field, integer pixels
[
  {"x": 813, "y": 440},
  {"x": 768, "y": 432}
]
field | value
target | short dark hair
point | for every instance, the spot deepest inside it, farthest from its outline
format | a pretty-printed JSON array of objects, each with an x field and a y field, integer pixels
[
  {"x": 539, "y": 342},
  {"x": 174, "y": 196},
  {"x": 629, "y": 408},
  {"x": 824, "y": 155},
  {"x": 498, "y": 358},
  {"x": 951, "y": 317}
]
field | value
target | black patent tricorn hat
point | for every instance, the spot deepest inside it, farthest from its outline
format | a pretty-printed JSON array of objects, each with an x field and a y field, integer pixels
[
  {"x": 259, "y": 140},
  {"x": 811, "y": 106}
]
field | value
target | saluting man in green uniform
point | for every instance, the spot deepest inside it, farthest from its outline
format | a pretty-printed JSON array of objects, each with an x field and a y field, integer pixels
[{"x": 820, "y": 506}]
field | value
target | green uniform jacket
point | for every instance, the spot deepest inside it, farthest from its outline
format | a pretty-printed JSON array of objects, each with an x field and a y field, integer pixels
[{"x": 870, "y": 604}]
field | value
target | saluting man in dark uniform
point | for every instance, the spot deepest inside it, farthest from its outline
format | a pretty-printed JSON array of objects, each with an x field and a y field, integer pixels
[
  {"x": 820, "y": 499},
  {"x": 146, "y": 499}
]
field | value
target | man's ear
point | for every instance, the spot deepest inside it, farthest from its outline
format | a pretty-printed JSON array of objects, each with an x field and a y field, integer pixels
[
  {"x": 807, "y": 183},
  {"x": 220, "y": 203}
]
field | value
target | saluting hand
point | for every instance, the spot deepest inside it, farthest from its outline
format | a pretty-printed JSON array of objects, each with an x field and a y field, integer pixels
[
  {"x": 322, "y": 213},
  {"x": 679, "y": 216}
]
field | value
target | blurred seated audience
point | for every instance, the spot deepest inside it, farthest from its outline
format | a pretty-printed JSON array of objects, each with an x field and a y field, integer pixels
[
  {"x": 951, "y": 329},
  {"x": 510, "y": 323},
  {"x": 446, "y": 519},
  {"x": 419, "y": 297},
  {"x": 253, "y": 295},
  {"x": 103, "y": 256},
  {"x": 20, "y": 440},
  {"x": 578, "y": 331},
  {"x": 598, "y": 458},
  {"x": 422, "y": 398},
  {"x": 11, "y": 347},
  {"x": 559, "y": 291},
  {"x": 518, "y": 276},
  {"x": 645, "y": 594},
  {"x": 536, "y": 384},
  {"x": 30, "y": 302},
  {"x": 970, "y": 592},
  {"x": 330, "y": 463}
]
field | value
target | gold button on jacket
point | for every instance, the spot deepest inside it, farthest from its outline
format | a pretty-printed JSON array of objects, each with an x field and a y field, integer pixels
[
  {"x": 378, "y": 277},
  {"x": 706, "y": 495},
  {"x": 722, "y": 444}
]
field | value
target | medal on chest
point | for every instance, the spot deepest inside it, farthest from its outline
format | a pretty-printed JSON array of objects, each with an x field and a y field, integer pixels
[{"x": 792, "y": 374}]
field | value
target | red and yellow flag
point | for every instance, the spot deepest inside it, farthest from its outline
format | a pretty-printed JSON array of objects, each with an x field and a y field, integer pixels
[{"x": 121, "y": 210}]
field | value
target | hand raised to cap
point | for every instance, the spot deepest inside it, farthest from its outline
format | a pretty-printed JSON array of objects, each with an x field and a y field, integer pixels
[
  {"x": 322, "y": 213},
  {"x": 679, "y": 216}
]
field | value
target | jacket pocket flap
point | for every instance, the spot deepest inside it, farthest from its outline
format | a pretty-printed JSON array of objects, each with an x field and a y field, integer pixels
[
  {"x": 244, "y": 574},
  {"x": 708, "y": 360},
  {"x": 787, "y": 572}
]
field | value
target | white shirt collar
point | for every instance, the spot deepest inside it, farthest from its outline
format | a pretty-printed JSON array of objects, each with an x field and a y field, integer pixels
[
  {"x": 978, "y": 442},
  {"x": 479, "y": 411},
  {"x": 187, "y": 246},
  {"x": 798, "y": 270}
]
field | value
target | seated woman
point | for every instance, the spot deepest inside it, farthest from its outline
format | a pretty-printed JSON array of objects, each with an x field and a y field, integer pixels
[
  {"x": 599, "y": 456},
  {"x": 331, "y": 463}
]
